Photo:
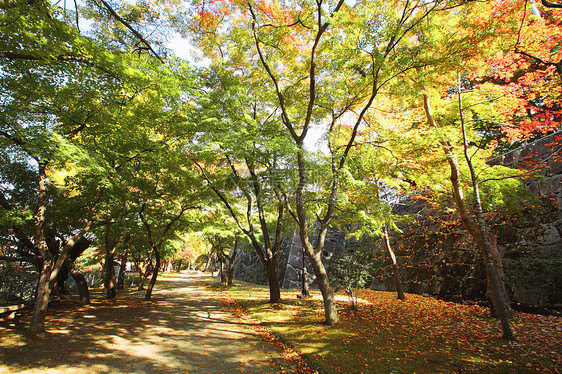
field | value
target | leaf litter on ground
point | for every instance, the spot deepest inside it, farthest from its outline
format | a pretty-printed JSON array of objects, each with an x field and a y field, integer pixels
[{"x": 416, "y": 335}]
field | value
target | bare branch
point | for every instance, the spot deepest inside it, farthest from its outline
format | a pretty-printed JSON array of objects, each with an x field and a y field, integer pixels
[{"x": 135, "y": 32}]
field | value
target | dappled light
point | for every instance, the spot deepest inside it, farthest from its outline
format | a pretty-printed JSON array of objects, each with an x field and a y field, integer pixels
[
  {"x": 184, "y": 329},
  {"x": 317, "y": 150},
  {"x": 418, "y": 334}
]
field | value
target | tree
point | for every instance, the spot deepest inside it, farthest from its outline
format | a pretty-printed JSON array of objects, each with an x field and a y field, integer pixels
[
  {"x": 351, "y": 274},
  {"x": 326, "y": 62},
  {"x": 373, "y": 170},
  {"x": 504, "y": 308},
  {"x": 240, "y": 162},
  {"x": 61, "y": 92},
  {"x": 50, "y": 77},
  {"x": 527, "y": 67}
]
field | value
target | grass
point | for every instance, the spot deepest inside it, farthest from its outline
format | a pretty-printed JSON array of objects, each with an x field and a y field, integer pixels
[{"x": 418, "y": 335}]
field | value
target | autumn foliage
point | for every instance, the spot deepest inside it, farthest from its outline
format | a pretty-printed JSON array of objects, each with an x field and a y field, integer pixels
[{"x": 419, "y": 334}]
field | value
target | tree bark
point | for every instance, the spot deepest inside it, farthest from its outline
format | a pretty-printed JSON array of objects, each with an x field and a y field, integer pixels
[
  {"x": 330, "y": 308},
  {"x": 231, "y": 259},
  {"x": 51, "y": 264},
  {"x": 468, "y": 222},
  {"x": 83, "y": 291},
  {"x": 501, "y": 300},
  {"x": 37, "y": 323},
  {"x": 222, "y": 271},
  {"x": 110, "y": 281},
  {"x": 122, "y": 269},
  {"x": 396, "y": 275},
  {"x": 152, "y": 282},
  {"x": 209, "y": 261},
  {"x": 273, "y": 280}
]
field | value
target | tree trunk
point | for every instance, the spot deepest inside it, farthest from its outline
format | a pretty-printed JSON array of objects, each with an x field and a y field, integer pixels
[
  {"x": 330, "y": 309},
  {"x": 110, "y": 281},
  {"x": 500, "y": 299},
  {"x": 122, "y": 269},
  {"x": 123, "y": 264},
  {"x": 83, "y": 291},
  {"x": 208, "y": 264},
  {"x": 273, "y": 280},
  {"x": 396, "y": 275},
  {"x": 140, "y": 270},
  {"x": 222, "y": 266},
  {"x": 231, "y": 259},
  {"x": 51, "y": 265},
  {"x": 468, "y": 222},
  {"x": 37, "y": 323},
  {"x": 152, "y": 282}
]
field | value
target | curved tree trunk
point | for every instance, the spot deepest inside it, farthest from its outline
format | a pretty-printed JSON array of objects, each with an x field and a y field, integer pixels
[
  {"x": 51, "y": 265},
  {"x": 472, "y": 227}
]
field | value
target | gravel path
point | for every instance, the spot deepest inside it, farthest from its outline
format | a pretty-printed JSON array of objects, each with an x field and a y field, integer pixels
[{"x": 187, "y": 328}]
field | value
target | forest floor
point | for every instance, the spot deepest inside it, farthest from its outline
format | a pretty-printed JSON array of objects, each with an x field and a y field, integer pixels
[
  {"x": 188, "y": 327},
  {"x": 415, "y": 335},
  {"x": 195, "y": 325}
]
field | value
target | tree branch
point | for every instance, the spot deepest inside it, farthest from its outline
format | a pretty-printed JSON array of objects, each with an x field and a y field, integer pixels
[
  {"x": 135, "y": 32},
  {"x": 548, "y": 4}
]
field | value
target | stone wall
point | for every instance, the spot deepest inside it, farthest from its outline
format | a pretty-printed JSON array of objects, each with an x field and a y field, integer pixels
[
  {"x": 248, "y": 267},
  {"x": 438, "y": 257},
  {"x": 334, "y": 243}
]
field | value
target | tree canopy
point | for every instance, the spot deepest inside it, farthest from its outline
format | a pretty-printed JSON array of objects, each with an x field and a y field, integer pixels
[{"x": 106, "y": 135}]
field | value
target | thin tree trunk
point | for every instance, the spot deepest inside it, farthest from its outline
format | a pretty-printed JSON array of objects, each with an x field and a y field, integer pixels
[
  {"x": 141, "y": 278},
  {"x": 140, "y": 271},
  {"x": 468, "y": 222},
  {"x": 122, "y": 269},
  {"x": 273, "y": 280},
  {"x": 499, "y": 293},
  {"x": 152, "y": 282},
  {"x": 208, "y": 264},
  {"x": 222, "y": 266},
  {"x": 396, "y": 275},
  {"x": 231, "y": 259},
  {"x": 109, "y": 281},
  {"x": 37, "y": 324}
]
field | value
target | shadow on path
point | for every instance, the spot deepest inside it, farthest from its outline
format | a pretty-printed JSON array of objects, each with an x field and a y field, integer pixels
[{"x": 186, "y": 328}]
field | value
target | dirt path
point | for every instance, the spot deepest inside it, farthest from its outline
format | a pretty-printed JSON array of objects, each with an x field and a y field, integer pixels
[{"x": 187, "y": 328}]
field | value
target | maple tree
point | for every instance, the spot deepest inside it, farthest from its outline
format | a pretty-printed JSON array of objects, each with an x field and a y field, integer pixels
[
  {"x": 50, "y": 79},
  {"x": 528, "y": 68},
  {"x": 325, "y": 63},
  {"x": 240, "y": 160}
]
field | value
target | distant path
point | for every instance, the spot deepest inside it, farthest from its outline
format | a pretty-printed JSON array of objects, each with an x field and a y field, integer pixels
[{"x": 187, "y": 328}]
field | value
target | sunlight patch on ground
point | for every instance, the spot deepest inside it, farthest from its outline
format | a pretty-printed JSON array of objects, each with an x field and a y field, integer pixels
[{"x": 144, "y": 350}]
